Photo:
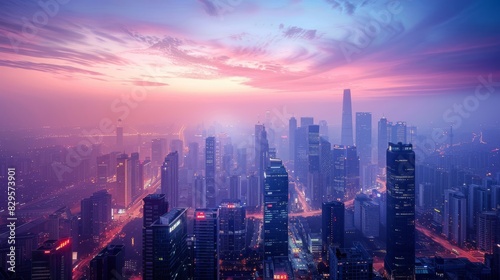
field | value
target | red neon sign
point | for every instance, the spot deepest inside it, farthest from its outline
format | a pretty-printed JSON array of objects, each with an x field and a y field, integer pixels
[{"x": 63, "y": 244}]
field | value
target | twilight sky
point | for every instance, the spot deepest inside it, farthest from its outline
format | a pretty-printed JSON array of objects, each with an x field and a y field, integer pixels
[{"x": 74, "y": 62}]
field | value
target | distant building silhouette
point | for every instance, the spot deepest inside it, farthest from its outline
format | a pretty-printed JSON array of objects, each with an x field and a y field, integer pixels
[{"x": 346, "y": 132}]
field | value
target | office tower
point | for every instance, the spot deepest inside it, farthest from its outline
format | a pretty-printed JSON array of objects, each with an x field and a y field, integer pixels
[
  {"x": 199, "y": 192},
  {"x": 234, "y": 187},
  {"x": 232, "y": 233},
  {"x": 292, "y": 127},
  {"x": 323, "y": 130},
  {"x": 192, "y": 156},
  {"x": 206, "y": 253},
  {"x": 333, "y": 225},
  {"x": 346, "y": 133},
  {"x": 170, "y": 179},
  {"x": 177, "y": 145},
  {"x": 24, "y": 246},
  {"x": 454, "y": 222},
  {"x": 253, "y": 193},
  {"x": 276, "y": 210},
  {"x": 95, "y": 214},
  {"x": 301, "y": 163},
  {"x": 241, "y": 160},
  {"x": 479, "y": 200},
  {"x": 383, "y": 140},
  {"x": 53, "y": 226},
  {"x": 123, "y": 192},
  {"x": 364, "y": 137},
  {"x": 487, "y": 229},
  {"x": 345, "y": 172},
  {"x": 165, "y": 247},
  {"x": 158, "y": 151},
  {"x": 400, "y": 259},
  {"x": 495, "y": 197},
  {"x": 119, "y": 135},
  {"x": 210, "y": 171},
  {"x": 325, "y": 169},
  {"x": 370, "y": 219},
  {"x": 108, "y": 264},
  {"x": 350, "y": 263},
  {"x": 358, "y": 203},
  {"x": 398, "y": 132},
  {"x": 52, "y": 261},
  {"x": 261, "y": 158},
  {"x": 314, "y": 187},
  {"x": 306, "y": 121},
  {"x": 135, "y": 166},
  {"x": 155, "y": 205}
]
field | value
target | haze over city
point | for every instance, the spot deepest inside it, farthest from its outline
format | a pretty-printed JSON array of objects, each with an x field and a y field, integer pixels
[{"x": 238, "y": 139}]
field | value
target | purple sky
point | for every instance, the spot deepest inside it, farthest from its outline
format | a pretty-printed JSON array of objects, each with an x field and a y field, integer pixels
[{"x": 75, "y": 62}]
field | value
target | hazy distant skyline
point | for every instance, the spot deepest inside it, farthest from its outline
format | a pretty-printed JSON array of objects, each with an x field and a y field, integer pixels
[{"x": 200, "y": 61}]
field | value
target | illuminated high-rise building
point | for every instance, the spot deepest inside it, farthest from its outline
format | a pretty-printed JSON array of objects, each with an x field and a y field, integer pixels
[
  {"x": 123, "y": 191},
  {"x": 165, "y": 247},
  {"x": 95, "y": 214},
  {"x": 333, "y": 225},
  {"x": 345, "y": 173},
  {"x": 177, "y": 145},
  {"x": 276, "y": 210},
  {"x": 400, "y": 259},
  {"x": 206, "y": 253},
  {"x": 210, "y": 172},
  {"x": 232, "y": 234},
  {"x": 52, "y": 261},
  {"x": 170, "y": 179}
]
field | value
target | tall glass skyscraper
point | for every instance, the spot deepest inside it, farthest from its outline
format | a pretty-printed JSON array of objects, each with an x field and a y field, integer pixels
[
  {"x": 210, "y": 171},
  {"x": 165, "y": 246},
  {"x": 170, "y": 179},
  {"x": 332, "y": 216},
  {"x": 232, "y": 243},
  {"x": 400, "y": 259},
  {"x": 276, "y": 210},
  {"x": 206, "y": 253},
  {"x": 346, "y": 133}
]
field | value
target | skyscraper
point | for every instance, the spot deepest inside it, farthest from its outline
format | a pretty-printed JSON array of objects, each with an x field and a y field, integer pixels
[
  {"x": 382, "y": 142},
  {"x": 332, "y": 217},
  {"x": 170, "y": 179},
  {"x": 345, "y": 172},
  {"x": 454, "y": 220},
  {"x": 398, "y": 132},
  {"x": 52, "y": 261},
  {"x": 155, "y": 206},
  {"x": 292, "y": 127},
  {"x": 123, "y": 181},
  {"x": 210, "y": 171},
  {"x": 276, "y": 210},
  {"x": 400, "y": 259},
  {"x": 346, "y": 133},
  {"x": 232, "y": 234},
  {"x": 261, "y": 158},
  {"x": 487, "y": 229},
  {"x": 158, "y": 152},
  {"x": 95, "y": 214},
  {"x": 165, "y": 246},
  {"x": 176, "y": 145},
  {"x": 364, "y": 137},
  {"x": 192, "y": 156},
  {"x": 108, "y": 264},
  {"x": 206, "y": 253},
  {"x": 135, "y": 166}
]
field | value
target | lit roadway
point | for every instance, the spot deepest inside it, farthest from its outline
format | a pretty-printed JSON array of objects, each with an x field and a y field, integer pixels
[{"x": 133, "y": 212}]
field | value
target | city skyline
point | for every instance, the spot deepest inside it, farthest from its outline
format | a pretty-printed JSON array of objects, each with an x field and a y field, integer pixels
[
  {"x": 88, "y": 54},
  {"x": 241, "y": 139}
]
